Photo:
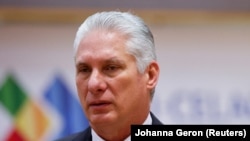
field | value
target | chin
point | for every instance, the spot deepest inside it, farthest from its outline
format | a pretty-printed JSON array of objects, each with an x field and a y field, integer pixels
[{"x": 104, "y": 118}]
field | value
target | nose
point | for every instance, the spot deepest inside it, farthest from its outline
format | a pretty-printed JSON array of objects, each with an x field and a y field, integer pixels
[{"x": 96, "y": 83}]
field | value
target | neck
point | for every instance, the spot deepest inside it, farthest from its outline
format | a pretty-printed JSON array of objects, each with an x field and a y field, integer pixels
[
  {"x": 117, "y": 131},
  {"x": 112, "y": 133}
]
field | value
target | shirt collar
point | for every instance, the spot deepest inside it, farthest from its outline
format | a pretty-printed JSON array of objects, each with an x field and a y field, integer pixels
[{"x": 95, "y": 137}]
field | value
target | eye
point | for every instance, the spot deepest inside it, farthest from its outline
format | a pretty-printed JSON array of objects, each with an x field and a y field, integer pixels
[
  {"x": 111, "y": 68},
  {"x": 84, "y": 69}
]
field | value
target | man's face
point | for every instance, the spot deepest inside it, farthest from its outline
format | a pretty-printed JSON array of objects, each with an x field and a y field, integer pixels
[{"x": 110, "y": 88}]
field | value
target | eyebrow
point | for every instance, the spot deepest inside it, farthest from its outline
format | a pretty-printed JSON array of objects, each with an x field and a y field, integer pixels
[{"x": 114, "y": 60}]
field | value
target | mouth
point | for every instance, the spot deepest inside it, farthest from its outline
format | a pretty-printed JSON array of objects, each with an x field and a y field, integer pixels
[{"x": 99, "y": 105}]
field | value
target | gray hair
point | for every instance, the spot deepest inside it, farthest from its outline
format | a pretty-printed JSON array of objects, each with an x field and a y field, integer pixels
[{"x": 140, "y": 41}]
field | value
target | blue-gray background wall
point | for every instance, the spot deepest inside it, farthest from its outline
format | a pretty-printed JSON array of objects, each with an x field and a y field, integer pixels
[
  {"x": 162, "y": 4},
  {"x": 204, "y": 59}
]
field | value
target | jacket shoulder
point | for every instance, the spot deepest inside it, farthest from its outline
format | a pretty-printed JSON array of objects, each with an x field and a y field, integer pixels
[{"x": 83, "y": 135}]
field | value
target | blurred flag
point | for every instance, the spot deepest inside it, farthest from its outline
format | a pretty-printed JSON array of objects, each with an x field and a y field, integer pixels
[
  {"x": 68, "y": 107},
  {"x": 21, "y": 118}
]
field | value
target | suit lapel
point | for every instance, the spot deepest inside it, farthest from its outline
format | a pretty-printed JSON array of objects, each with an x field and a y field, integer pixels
[
  {"x": 155, "y": 120},
  {"x": 84, "y": 136}
]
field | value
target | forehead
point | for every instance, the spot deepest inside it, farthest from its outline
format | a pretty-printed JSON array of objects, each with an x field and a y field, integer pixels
[
  {"x": 102, "y": 45},
  {"x": 101, "y": 38},
  {"x": 103, "y": 34}
]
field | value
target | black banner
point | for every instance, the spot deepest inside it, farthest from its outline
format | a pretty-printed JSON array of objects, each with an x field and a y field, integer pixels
[{"x": 193, "y": 132}]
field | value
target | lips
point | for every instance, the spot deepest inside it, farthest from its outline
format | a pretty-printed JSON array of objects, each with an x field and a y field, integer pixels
[{"x": 99, "y": 104}]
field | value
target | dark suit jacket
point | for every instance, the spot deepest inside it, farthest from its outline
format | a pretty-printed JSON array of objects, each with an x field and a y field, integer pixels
[{"x": 86, "y": 134}]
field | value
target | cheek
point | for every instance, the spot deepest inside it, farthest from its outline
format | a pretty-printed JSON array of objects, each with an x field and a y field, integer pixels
[
  {"x": 131, "y": 98},
  {"x": 81, "y": 84},
  {"x": 128, "y": 89},
  {"x": 81, "y": 90}
]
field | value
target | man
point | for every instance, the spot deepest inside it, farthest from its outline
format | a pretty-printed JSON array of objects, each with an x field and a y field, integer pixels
[{"x": 116, "y": 75}]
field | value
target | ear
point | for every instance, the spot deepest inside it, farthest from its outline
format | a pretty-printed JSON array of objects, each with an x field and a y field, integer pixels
[{"x": 153, "y": 72}]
